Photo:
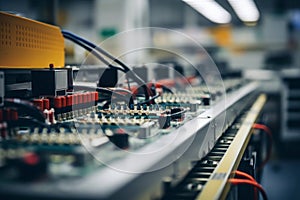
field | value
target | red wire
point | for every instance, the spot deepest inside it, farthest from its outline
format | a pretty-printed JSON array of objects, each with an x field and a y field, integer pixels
[
  {"x": 236, "y": 181},
  {"x": 245, "y": 175},
  {"x": 251, "y": 180},
  {"x": 269, "y": 133}
]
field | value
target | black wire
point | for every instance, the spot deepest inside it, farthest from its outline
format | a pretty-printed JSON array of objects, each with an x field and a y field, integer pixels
[
  {"x": 127, "y": 69},
  {"x": 95, "y": 53},
  {"x": 102, "y": 51},
  {"x": 25, "y": 107}
]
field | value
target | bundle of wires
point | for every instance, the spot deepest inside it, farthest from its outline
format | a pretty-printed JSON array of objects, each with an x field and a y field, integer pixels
[{"x": 99, "y": 53}]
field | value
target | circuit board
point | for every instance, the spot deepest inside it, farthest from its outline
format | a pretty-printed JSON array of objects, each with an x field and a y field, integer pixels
[{"x": 67, "y": 136}]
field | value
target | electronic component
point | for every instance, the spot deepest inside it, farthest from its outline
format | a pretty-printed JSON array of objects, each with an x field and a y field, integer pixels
[
  {"x": 77, "y": 128},
  {"x": 108, "y": 78},
  {"x": 49, "y": 82},
  {"x": 103, "y": 76},
  {"x": 29, "y": 44}
]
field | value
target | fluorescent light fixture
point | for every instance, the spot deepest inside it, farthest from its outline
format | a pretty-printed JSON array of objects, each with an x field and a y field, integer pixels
[
  {"x": 211, "y": 10},
  {"x": 246, "y": 10}
]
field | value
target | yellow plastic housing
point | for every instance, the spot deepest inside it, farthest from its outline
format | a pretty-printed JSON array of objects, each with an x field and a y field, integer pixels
[{"x": 26, "y": 43}]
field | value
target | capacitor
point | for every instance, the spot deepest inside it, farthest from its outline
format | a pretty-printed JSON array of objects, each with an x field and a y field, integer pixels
[
  {"x": 46, "y": 103},
  {"x": 85, "y": 98},
  {"x": 69, "y": 100},
  {"x": 39, "y": 103},
  {"x": 90, "y": 97},
  {"x": 57, "y": 102},
  {"x": 96, "y": 96},
  {"x": 63, "y": 101},
  {"x": 75, "y": 99},
  {"x": 80, "y": 98}
]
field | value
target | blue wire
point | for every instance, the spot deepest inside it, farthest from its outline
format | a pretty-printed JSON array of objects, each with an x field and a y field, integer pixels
[
  {"x": 90, "y": 49},
  {"x": 75, "y": 37},
  {"x": 66, "y": 33}
]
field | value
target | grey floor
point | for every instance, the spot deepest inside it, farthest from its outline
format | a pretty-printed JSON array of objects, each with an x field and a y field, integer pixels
[{"x": 281, "y": 179}]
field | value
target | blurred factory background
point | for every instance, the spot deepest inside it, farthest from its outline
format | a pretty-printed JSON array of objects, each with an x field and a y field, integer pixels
[{"x": 264, "y": 47}]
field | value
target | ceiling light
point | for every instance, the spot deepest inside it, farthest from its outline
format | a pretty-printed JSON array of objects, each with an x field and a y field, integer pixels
[
  {"x": 211, "y": 10},
  {"x": 246, "y": 10}
]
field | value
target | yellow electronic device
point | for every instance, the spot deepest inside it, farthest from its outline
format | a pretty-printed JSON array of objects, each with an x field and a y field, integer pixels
[{"x": 26, "y": 43}]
